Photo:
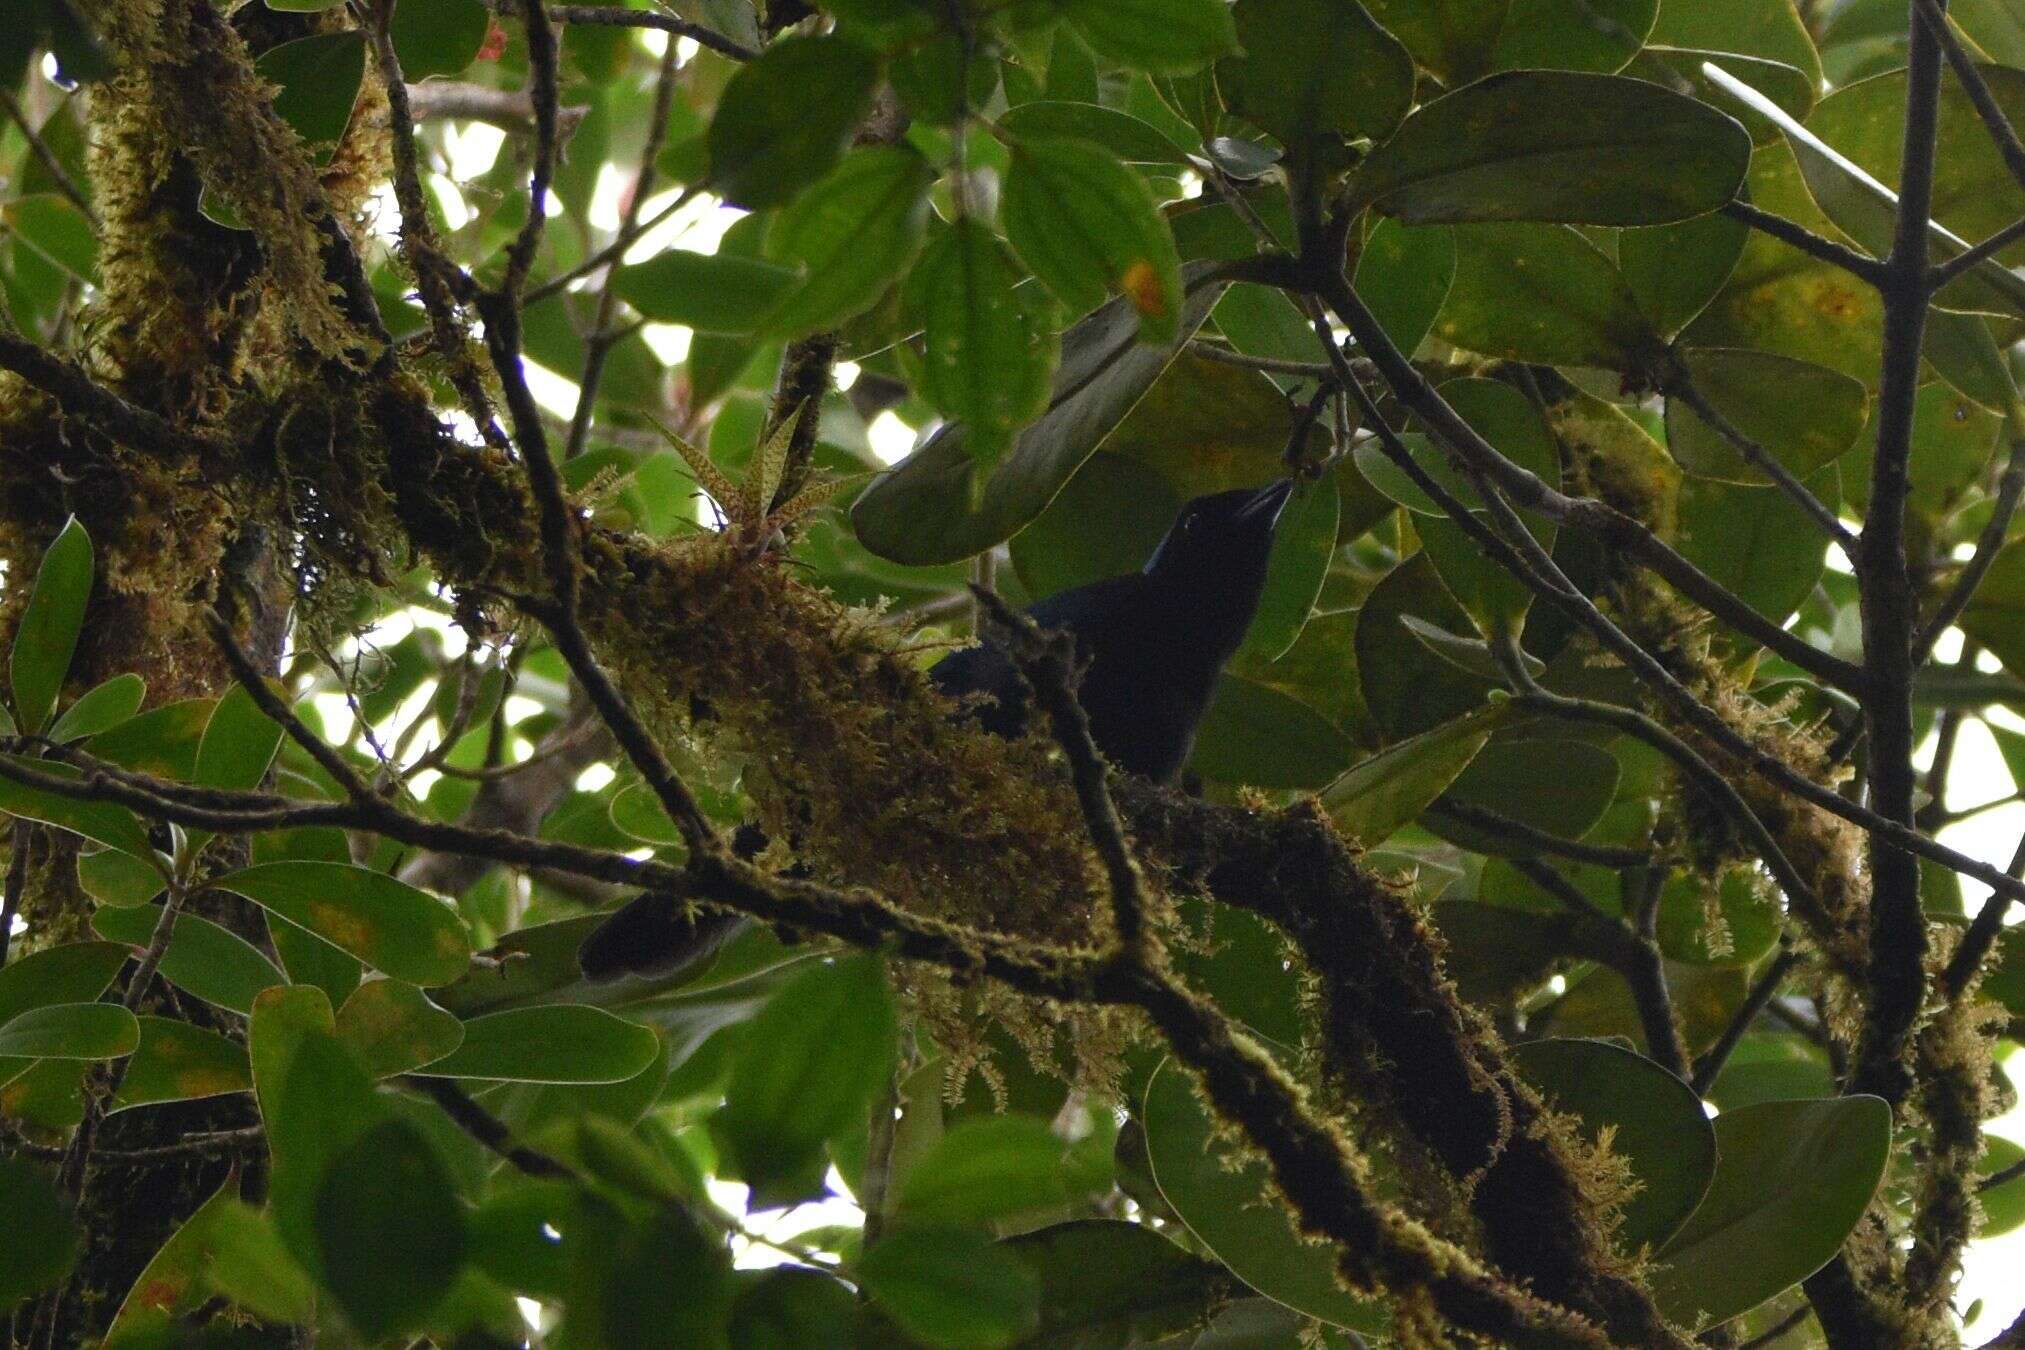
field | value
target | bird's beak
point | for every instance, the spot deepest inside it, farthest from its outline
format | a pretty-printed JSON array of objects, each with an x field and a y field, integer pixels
[{"x": 1266, "y": 504}]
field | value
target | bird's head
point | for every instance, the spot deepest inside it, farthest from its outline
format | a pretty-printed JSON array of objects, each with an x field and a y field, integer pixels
[{"x": 1219, "y": 545}]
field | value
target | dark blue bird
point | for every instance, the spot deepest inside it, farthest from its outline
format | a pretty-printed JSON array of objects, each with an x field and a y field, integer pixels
[{"x": 1152, "y": 644}]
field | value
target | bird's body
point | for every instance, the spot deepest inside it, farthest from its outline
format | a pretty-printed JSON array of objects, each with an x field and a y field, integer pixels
[{"x": 1152, "y": 645}]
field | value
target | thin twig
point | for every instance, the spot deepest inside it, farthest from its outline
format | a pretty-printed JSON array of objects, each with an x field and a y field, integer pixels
[
  {"x": 489, "y": 1130},
  {"x": 1553, "y": 845},
  {"x": 1049, "y": 664},
  {"x": 1710, "y": 1066},
  {"x": 1273, "y": 365},
  {"x": 77, "y": 393},
  {"x": 1933, "y": 21},
  {"x": 1989, "y": 542},
  {"x": 615, "y": 17},
  {"x": 542, "y": 58},
  {"x": 603, "y": 336},
  {"x": 47, "y": 157},
  {"x": 1791, "y": 232},
  {"x": 1943, "y": 273},
  {"x": 1761, "y": 459}
]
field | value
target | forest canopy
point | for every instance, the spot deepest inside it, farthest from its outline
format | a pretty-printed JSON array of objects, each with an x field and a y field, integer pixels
[{"x": 467, "y": 464}]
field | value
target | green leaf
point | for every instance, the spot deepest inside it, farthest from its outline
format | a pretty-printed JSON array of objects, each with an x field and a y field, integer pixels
[
  {"x": 1803, "y": 415},
  {"x": 1215, "y": 1188},
  {"x": 1675, "y": 270},
  {"x": 710, "y": 292},
  {"x": 161, "y": 741},
  {"x": 1256, "y": 735},
  {"x": 805, "y": 1070},
  {"x": 438, "y": 37},
  {"x": 951, "y": 1288},
  {"x": 1756, "y": 541},
  {"x": 385, "y": 922},
  {"x": 173, "y": 1283},
  {"x": 1656, "y": 1124},
  {"x": 786, "y": 119},
  {"x": 105, "y": 705},
  {"x": 556, "y": 1043},
  {"x": 314, "y": 1100},
  {"x": 239, "y": 743},
  {"x": 1290, "y": 81},
  {"x": 178, "y": 1062},
  {"x": 1113, "y": 1283},
  {"x": 318, "y": 79},
  {"x": 920, "y": 512},
  {"x": 990, "y": 345},
  {"x": 39, "y": 1241},
  {"x": 1452, "y": 38},
  {"x": 1167, "y": 37},
  {"x": 2003, "y": 1205},
  {"x": 53, "y": 226},
  {"x": 1560, "y": 786},
  {"x": 75, "y": 972},
  {"x": 794, "y": 1308},
  {"x": 1374, "y": 798},
  {"x": 1792, "y": 1179},
  {"x": 392, "y": 1027},
  {"x": 1996, "y": 616},
  {"x": 1404, "y": 275},
  {"x": 986, "y": 1169},
  {"x": 1087, "y": 225},
  {"x": 70, "y": 1031},
  {"x": 119, "y": 879},
  {"x": 1302, "y": 550},
  {"x": 1542, "y": 293},
  {"x": 851, "y": 236},
  {"x": 1407, "y": 688},
  {"x": 1769, "y": 32},
  {"x": 1106, "y": 522},
  {"x": 1557, "y": 146},
  {"x": 204, "y": 959},
  {"x": 1593, "y": 35},
  {"x": 1129, "y": 138},
  {"x": 248, "y": 1264},
  {"x": 49, "y": 626},
  {"x": 389, "y": 1229},
  {"x": 100, "y": 822}
]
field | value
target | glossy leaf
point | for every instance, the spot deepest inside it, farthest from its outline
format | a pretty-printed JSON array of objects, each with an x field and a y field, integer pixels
[
  {"x": 1803, "y": 415},
  {"x": 70, "y": 1031},
  {"x": 1756, "y": 541},
  {"x": 557, "y": 1043},
  {"x": 1129, "y": 138},
  {"x": 439, "y": 37},
  {"x": 179, "y": 1062},
  {"x": 203, "y": 959},
  {"x": 392, "y": 1027},
  {"x": 39, "y": 1241},
  {"x": 75, "y": 972},
  {"x": 389, "y": 1229},
  {"x": 1302, "y": 549},
  {"x": 1165, "y": 36},
  {"x": 987, "y": 1169},
  {"x": 920, "y": 512},
  {"x": 1585, "y": 35},
  {"x": 173, "y": 1283},
  {"x": 101, "y": 822},
  {"x": 990, "y": 343},
  {"x": 1215, "y": 1189},
  {"x": 1675, "y": 270},
  {"x": 951, "y": 1288},
  {"x": 1792, "y": 1180},
  {"x": 1257, "y": 735},
  {"x": 806, "y": 1069},
  {"x": 1656, "y": 1124},
  {"x": 786, "y": 119},
  {"x": 318, "y": 80},
  {"x": 384, "y": 922},
  {"x": 104, "y": 705},
  {"x": 710, "y": 292},
  {"x": 1107, "y": 1282},
  {"x": 1559, "y": 786},
  {"x": 1404, "y": 275},
  {"x": 1290, "y": 79},
  {"x": 1542, "y": 293},
  {"x": 850, "y": 236},
  {"x": 1557, "y": 147},
  {"x": 1391, "y": 788},
  {"x": 47, "y": 634},
  {"x": 1088, "y": 226}
]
